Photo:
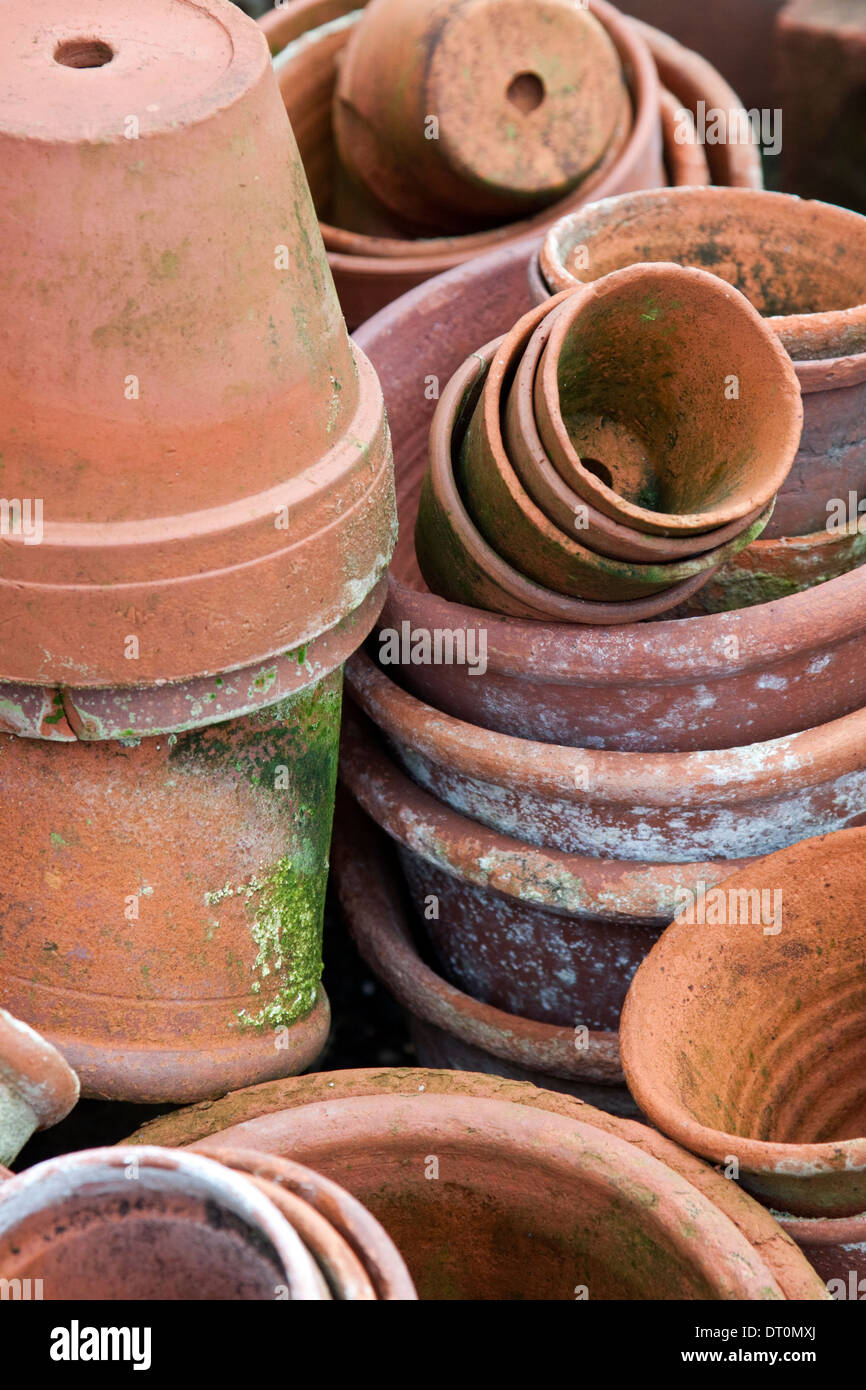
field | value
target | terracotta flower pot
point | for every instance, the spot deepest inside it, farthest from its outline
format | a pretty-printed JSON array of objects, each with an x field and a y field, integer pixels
[
  {"x": 147, "y": 1223},
  {"x": 800, "y": 263},
  {"x": 454, "y": 556},
  {"x": 685, "y": 159},
  {"x": 163, "y": 899},
  {"x": 836, "y": 1248},
  {"x": 517, "y": 529},
  {"x": 37, "y": 1087},
  {"x": 210, "y": 458},
  {"x": 646, "y": 356},
  {"x": 519, "y": 1161},
  {"x": 526, "y": 100},
  {"x": 675, "y": 685},
  {"x": 738, "y": 1042},
  {"x": 359, "y": 1262},
  {"x": 676, "y": 807}
]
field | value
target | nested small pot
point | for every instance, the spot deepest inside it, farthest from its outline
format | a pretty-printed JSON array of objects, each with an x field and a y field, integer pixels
[
  {"x": 163, "y": 898},
  {"x": 675, "y": 807},
  {"x": 458, "y": 562},
  {"x": 514, "y": 1164},
  {"x": 38, "y": 1088},
  {"x": 665, "y": 686},
  {"x": 663, "y": 399},
  {"x": 153, "y": 1224},
  {"x": 801, "y": 265},
  {"x": 741, "y": 1041}
]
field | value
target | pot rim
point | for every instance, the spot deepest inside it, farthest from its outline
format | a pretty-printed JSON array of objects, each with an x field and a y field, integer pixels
[
  {"x": 36, "y": 1071},
  {"x": 754, "y": 771}
]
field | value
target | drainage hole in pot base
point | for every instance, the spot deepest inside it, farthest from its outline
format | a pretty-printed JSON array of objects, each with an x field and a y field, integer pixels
[
  {"x": 598, "y": 470},
  {"x": 526, "y": 92},
  {"x": 83, "y": 53}
]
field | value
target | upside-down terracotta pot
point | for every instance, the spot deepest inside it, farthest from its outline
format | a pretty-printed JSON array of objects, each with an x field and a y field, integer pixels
[
  {"x": 147, "y": 1223},
  {"x": 800, "y": 263},
  {"x": 38, "y": 1088},
  {"x": 514, "y": 1164},
  {"x": 459, "y": 563},
  {"x": 726, "y": 804},
  {"x": 703, "y": 682},
  {"x": 526, "y": 99},
  {"x": 163, "y": 898},
  {"x": 210, "y": 459},
  {"x": 635, "y": 404},
  {"x": 738, "y": 1041},
  {"x": 518, "y": 529},
  {"x": 370, "y": 270}
]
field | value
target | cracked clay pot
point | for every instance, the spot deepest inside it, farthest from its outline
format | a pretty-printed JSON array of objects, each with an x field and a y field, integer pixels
[
  {"x": 520, "y": 1161},
  {"x": 739, "y": 1040},
  {"x": 208, "y": 449},
  {"x": 665, "y": 686}
]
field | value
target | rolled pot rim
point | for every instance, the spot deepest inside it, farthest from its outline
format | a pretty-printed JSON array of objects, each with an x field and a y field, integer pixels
[
  {"x": 35, "y": 1070},
  {"x": 754, "y": 770},
  {"x": 814, "y": 373}
]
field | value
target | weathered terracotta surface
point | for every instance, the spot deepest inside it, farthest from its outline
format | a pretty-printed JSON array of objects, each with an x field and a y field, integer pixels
[
  {"x": 726, "y": 804},
  {"x": 647, "y": 355},
  {"x": 820, "y": 59},
  {"x": 836, "y": 1248},
  {"x": 147, "y": 1223},
  {"x": 554, "y": 938},
  {"x": 163, "y": 898},
  {"x": 709, "y": 682},
  {"x": 800, "y": 263},
  {"x": 455, "y": 558},
  {"x": 526, "y": 97},
  {"x": 359, "y": 1261},
  {"x": 201, "y": 397},
  {"x": 740, "y": 1042},
  {"x": 771, "y": 569},
  {"x": 37, "y": 1087},
  {"x": 367, "y": 1129}
]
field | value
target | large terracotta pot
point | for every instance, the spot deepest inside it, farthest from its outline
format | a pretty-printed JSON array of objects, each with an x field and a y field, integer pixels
[
  {"x": 211, "y": 455},
  {"x": 163, "y": 898},
  {"x": 514, "y": 1164},
  {"x": 371, "y": 270},
  {"x": 38, "y": 1088},
  {"x": 800, "y": 263},
  {"x": 527, "y": 100},
  {"x": 724, "y": 804},
  {"x": 740, "y": 1042},
  {"x": 675, "y": 685}
]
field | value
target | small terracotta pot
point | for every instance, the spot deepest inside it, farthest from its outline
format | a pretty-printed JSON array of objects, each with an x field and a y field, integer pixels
[
  {"x": 526, "y": 100},
  {"x": 37, "y": 1087},
  {"x": 147, "y": 1223},
  {"x": 212, "y": 460},
  {"x": 632, "y": 364},
  {"x": 367, "y": 1129},
  {"x": 163, "y": 899},
  {"x": 668, "y": 686},
  {"x": 455, "y": 558},
  {"x": 741, "y": 1041},
  {"x": 359, "y": 1261},
  {"x": 774, "y": 248},
  {"x": 676, "y": 807}
]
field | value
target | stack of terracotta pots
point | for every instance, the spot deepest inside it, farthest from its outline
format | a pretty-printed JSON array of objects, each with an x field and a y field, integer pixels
[
  {"x": 203, "y": 517},
  {"x": 802, "y": 265},
  {"x": 742, "y": 1038},
  {"x": 604, "y": 458},
  {"x": 148, "y": 1223},
  {"x": 556, "y": 789},
  {"x": 378, "y": 252}
]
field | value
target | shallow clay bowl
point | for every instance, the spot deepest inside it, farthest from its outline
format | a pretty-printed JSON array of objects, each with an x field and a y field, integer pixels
[
  {"x": 739, "y": 1041},
  {"x": 663, "y": 398}
]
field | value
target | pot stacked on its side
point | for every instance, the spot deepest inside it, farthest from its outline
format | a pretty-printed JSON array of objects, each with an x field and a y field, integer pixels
[
  {"x": 376, "y": 255},
  {"x": 801, "y": 265},
  {"x": 496, "y": 1190},
  {"x": 201, "y": 524},
  {"x": 148, "y": 1223},
  {"x": 558, "y": 792},
  {"x": 38, "y": 1088}
]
